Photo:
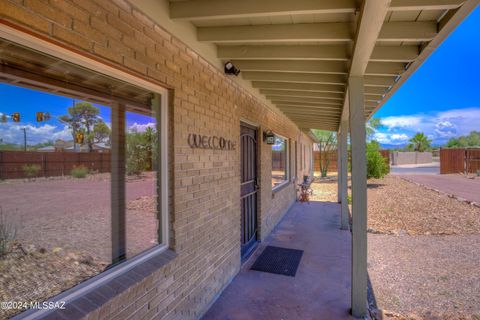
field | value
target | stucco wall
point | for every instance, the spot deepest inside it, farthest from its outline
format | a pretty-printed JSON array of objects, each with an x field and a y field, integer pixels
[{"x": 399, "y": 158}]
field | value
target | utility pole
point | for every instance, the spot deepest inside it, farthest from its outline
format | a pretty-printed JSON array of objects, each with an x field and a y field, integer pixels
[{"x": 24, "y": 139}]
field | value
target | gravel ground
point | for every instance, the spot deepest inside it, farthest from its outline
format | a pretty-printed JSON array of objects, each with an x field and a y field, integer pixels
[
  {"x": 399, "y": 206},
  {"x": 31, "y": 274},
  {"x": 431, "y": 277},
  {"x": 423, "y": 250},
  {"x": 324, "y": 190},
  {"x": 63, "y": 232}
]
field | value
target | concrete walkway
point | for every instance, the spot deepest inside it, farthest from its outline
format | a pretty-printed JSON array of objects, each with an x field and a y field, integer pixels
[
  {"x": 457, "y": 185},
  {"x": 321, "y": 287}
]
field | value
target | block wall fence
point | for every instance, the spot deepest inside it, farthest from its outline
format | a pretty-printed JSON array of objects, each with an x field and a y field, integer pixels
[{"x": 204, "y": 252}]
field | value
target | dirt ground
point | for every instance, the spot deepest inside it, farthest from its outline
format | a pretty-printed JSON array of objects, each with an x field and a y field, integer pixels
[
  {"x": 64, "y": 231},
  {"x": 423, "y": 250}
]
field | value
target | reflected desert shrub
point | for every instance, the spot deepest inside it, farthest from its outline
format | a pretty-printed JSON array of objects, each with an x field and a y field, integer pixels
[
  {"x": 8, "y": 233},
  {"x": 79, "y": 172},
  {"x": 31, "y": 170}
]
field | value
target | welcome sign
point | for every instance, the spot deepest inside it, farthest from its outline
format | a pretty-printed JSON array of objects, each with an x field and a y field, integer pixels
[{"x": 197, "y": 141}]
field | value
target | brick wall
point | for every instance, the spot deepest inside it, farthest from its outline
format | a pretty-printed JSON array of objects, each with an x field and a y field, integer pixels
[{"x": 205, "y": 215}]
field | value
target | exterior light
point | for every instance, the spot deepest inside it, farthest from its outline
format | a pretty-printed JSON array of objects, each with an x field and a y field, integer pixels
[
  {"x": 269, "y": 137},
  {"x": 231, "y": 69}
]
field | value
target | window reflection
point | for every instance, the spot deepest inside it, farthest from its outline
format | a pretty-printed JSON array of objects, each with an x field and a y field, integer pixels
[
  {"x": 55, "y": 228},
  {"x": 141, "y": 181},
  {"x": 279, "y": 161},
  {"x": 78, "y": 186}
]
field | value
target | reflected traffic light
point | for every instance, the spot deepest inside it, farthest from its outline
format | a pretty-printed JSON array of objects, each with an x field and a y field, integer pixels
[
  {"x": 79, "y": 137},
  {"x": 40, "y": 116},
  {"x": 16, "y": 117}
]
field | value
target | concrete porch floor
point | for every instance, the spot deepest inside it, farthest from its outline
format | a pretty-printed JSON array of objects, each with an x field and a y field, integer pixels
[{"x": 321, "y": 287}]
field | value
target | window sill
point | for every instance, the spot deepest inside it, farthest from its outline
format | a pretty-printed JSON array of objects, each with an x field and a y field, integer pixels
[
  {"x": 280, "y": 187},
  {"x": 97, "y": 291}
]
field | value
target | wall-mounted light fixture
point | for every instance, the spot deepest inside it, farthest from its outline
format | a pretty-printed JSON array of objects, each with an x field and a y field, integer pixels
[
  {"x": 231, "y": 69},
  {"x": 269, "y": 137}
]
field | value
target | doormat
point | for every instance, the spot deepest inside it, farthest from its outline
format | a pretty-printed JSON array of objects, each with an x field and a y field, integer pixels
[{"x": 278, "y": 260}]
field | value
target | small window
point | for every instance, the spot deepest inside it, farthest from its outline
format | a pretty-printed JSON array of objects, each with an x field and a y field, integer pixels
[{"x": 279, "y": 161}]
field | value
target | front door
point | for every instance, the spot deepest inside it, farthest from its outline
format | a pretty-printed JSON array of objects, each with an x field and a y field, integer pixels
[{"x": 249, "y": 187}]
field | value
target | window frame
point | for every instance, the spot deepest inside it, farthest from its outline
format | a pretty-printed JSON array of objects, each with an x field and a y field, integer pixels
[
  {"x": 161, "y": 100},
  {"x": 287, "y": 164}
]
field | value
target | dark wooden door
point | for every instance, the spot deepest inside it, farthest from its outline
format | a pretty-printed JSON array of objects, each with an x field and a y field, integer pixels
[{"x": 249, "y": 187}]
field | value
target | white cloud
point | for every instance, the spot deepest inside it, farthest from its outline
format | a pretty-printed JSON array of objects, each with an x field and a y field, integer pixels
[
  {"x": 389, "y": 138},
  {"x": 445, "y": 129},
  {"x": 13, "y": 133},
  {"x": 137, "y": 127},
  {"x": 402, "y": 122},
  {"x": 439, "y": 126}
]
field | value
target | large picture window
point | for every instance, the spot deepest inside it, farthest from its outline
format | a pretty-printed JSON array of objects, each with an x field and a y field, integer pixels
[
  {"x": 280, "y": 165},
  {"x": 80, "y": 190}
]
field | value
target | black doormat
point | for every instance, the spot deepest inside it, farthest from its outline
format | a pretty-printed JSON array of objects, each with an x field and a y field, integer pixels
[{"x": 278, "y": 260}]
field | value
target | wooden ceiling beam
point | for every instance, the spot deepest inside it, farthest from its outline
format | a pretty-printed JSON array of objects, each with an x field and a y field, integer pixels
[
  {"x": 321, "y": 95},
  {"x": 315, "y": 87},
  {"x": 294, "y": 77},
  {"x": 322, "y": 67},
  {"x": 228, "y": 9}
]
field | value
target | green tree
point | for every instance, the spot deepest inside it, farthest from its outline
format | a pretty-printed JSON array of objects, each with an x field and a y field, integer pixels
[
  {"x": 101, "y": 132},
  {"x": 419, "y": 142},
  {"x": 372, "y": 126},
  {"x": 471, "y": 140},
  {"x": 141, "y": 151},
  {"x": 377, "y": 167},
  {"x": 327, "y": 144},
  {"x": 82, "y": 117}
]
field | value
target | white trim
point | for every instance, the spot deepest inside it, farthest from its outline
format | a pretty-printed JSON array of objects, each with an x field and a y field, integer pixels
[
  {"x": 164, "y": 168},
  {"x": 251, "y": 123},
  {"x": 35, "y": 43}
]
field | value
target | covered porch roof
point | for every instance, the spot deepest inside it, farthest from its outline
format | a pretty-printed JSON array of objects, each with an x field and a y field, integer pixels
[{"x": 299, "y": 54}]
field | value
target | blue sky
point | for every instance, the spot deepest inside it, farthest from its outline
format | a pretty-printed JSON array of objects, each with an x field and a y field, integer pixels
[
  {"x": 27, "y": 102},
  {"x": 442, "y": 98}
]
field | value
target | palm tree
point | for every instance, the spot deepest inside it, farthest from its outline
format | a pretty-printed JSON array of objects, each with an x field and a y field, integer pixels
[{"x": 419, "y": 142}]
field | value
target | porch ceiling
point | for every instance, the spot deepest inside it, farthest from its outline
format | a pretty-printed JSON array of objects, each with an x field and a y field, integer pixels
[{"x": 300, "y": 53}]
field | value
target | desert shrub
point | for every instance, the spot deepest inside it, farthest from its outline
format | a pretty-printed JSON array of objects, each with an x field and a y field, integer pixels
[
  {"x": 79, "y": 171},
  {"x": 141, "y": 151},
  {"x": 8, "y": 233},
  {"x": 31, "y": 170},
  {"x": 376, "y": 165}
]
